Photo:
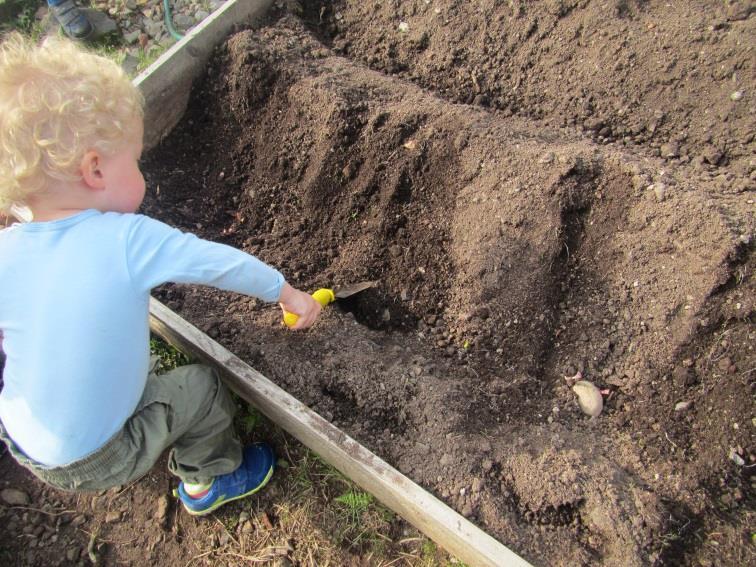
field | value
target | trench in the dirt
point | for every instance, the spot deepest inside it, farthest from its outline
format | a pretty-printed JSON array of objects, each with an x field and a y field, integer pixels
[{"x": 507, "y": 256}]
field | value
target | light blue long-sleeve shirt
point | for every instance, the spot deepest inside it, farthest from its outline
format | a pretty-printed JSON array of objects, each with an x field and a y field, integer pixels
[{"x": 74, "y": 311}]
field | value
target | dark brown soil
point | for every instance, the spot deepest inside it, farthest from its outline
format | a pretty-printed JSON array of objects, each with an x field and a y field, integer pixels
[{"x": 540, "y": 189}]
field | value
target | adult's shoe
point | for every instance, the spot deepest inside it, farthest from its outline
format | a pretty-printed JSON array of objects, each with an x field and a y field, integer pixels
[{"x": 73, "y": 21}]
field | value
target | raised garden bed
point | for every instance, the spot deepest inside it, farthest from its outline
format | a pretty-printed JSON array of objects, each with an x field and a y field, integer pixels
[
  {"x": 510, "y": 254},
  {"x": 571, "y": 191}
]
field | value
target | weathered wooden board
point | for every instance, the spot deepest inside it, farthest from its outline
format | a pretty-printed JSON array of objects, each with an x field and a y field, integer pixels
[
  {"x": 443, "y": 525},
  {"x": 166, "y": 84}
]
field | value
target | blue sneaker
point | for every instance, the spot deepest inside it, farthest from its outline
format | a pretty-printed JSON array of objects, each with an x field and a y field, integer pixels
[
  {"x": 73, "y": 20},
  {"x": 255, "y": 471}
]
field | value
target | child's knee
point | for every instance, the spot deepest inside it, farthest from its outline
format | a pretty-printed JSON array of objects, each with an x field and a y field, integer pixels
[{"x": 196, "y": 378}]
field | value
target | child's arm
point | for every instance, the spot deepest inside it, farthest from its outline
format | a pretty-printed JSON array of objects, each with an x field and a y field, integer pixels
[{"x": 157, "y": 253}]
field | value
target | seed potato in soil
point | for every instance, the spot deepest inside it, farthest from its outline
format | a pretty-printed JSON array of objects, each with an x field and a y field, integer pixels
[{"x": 543, "y": 190}]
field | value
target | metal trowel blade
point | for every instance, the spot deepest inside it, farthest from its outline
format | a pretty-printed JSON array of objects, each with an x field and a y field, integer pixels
[{"x": 348, "y": 290}]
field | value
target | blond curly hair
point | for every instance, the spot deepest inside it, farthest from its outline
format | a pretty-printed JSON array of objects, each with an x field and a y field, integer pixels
[{"x": 58, "y": 101}]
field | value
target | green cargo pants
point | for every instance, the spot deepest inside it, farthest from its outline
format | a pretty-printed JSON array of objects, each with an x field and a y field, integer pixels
[{"x": 188, "y": 409}]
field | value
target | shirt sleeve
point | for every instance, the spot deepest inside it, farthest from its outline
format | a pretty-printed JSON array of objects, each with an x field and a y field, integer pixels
[{"x": 157, "y": 253}]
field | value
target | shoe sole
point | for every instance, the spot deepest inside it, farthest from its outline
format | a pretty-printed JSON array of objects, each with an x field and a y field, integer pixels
[
  {"x": 226, "y": 501},
  {"x": 91, "y": 35}
]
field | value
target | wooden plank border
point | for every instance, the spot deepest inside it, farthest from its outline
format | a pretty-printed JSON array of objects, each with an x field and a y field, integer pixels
[
  {"x": 443, "y": 525},
  {"x": 167, "y": 83}
]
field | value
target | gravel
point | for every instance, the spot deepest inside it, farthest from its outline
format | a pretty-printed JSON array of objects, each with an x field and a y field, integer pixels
[{"x": 140, "y": 25}]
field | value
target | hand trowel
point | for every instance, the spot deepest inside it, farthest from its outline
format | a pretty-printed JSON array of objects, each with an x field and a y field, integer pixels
[{"x": 324, "y": 296}]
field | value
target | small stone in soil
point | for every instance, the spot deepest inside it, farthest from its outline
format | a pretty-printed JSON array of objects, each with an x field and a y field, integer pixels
[
  {"x": 660, "y": 191},
  {"x": 130, "y": 64},
  {"x": 132, "y": 36},
  {"x": 14, "y": 497},
  {"x": 162, "y": 508},
  {"x": 670, "y": 150},
  {"x": 736, "y": 458},
  {"x": 112, "y": 517},
  {"x": 102, "y": 24}
]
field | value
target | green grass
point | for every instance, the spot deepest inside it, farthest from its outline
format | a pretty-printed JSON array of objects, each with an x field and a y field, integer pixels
[
  {"x": 109, "y": 46},
  {"x": 170, "y": 357},
  {"x": 306, "y": 473},
  {"x": 19, "y": 15},
  {"x": 354, "y": 502},
  {"x": 354, "y": 519},
  {"x": 248, "y": 419},
  {"x": 361, "y": 521},
  {"x": 147, "y": 58}
]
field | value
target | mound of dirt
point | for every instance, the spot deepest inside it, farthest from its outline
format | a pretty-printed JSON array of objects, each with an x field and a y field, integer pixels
[
  {"x": 675, "y": 78},
  {"x": 510, "y": 254}
]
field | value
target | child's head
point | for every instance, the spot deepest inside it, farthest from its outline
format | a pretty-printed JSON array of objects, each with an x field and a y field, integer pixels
[{"x": 57, "y": 103}]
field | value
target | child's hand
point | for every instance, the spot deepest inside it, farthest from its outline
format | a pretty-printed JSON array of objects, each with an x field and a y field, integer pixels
[{"x": 301, "y": 304}]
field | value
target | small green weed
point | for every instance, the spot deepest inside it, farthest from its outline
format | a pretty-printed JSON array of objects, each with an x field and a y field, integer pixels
[
  {"x": 170, "y": 358},
  {"x": 361, "y": 521},
  {"x": 249, "y": 420},
  {"x": 356, "y": 502}
]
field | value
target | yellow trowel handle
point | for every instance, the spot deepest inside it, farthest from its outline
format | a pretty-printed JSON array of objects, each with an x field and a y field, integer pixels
[{"x": 323, "y": 296}]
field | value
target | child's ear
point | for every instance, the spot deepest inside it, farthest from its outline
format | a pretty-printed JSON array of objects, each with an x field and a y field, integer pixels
[{"x": 90, "y": 170}]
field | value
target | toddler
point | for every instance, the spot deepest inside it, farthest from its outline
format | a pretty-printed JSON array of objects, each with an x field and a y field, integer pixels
[{"x": 80, "y": 406}]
